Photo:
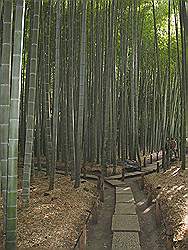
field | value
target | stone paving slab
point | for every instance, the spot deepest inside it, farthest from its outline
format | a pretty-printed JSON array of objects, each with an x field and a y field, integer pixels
[
  {"x": 127, "y": 223},
  {"x": 114, "y": 177},
  {"x": 125, "y": 190},
  {"x": 123, "y": 197},
  {"x": 125, "y": 241},
  {"x": 131, "y": 174},
  {"x": 118, "y": 183},
  {"x": 125, "y": 208}
]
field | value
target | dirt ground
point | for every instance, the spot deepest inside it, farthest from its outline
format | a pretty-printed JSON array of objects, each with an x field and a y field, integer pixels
[
  {"x": 100, "y": 235},
  {"x": 54, "y": 219},
  {"x": 171, "y": 190},
  {"x": 150, "y": 234}
]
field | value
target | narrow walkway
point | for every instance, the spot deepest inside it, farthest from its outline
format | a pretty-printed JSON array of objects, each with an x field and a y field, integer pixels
[
  {"x": 150, "y": 168},
  {"x": 143, "y": 233},
  {"x": 125, "y": 224},
  {"x": 131, "y": 235}
]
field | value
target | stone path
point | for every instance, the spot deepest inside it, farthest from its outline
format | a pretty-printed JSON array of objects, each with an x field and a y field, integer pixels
[
  {"x": 125, "y": 232},
  {"x": 146, "y": 235},
  {"x": 125, "y": 224}
]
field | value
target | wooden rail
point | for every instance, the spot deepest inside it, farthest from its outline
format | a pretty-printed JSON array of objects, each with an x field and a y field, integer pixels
[{"x": 92, "y": 216}]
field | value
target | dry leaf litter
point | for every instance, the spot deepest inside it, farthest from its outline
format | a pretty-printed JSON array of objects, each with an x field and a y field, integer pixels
[
  {"x": 171, "y": 189},
  {"x": 54, "y": 218}
]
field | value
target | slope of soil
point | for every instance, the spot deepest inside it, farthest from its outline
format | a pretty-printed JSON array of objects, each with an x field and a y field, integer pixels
[
  {"x": 54, "y": 219},
  {"x": 171, "y": 190},
  {"x": 150, "y": 235}
]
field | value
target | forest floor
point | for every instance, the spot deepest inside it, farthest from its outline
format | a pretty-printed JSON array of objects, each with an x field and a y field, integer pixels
[
  {"x": 171, "y": 190},
  {"x": 55, "y": 218}
]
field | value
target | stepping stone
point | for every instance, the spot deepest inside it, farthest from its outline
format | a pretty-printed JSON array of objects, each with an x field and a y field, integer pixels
[
  {"x": 125, "y": 190},
  {"x": 125, "y": 241},
  {"x": 125, "y": 208},
  {"x": 115, "y": 182},
  {"x": 114, "y": 177},
  {"x": 123, "y": 197},
  {"x": 127, "y": 223},
  {"x": 135, "y": 173}
]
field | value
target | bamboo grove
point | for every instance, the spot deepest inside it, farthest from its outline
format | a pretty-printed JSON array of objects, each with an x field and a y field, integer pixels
[{"x": 87, "y": 81}]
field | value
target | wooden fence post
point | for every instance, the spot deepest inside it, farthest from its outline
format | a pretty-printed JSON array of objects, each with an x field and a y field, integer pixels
[
  {"x": 158, "y": 167},
  {"x": 142, "y": 181},
  {"x": 100, "y": 184},
  {"x": 144, "y": 165},
  {"x": 123, "y": 173},
  {"x": 157, "y": 155},
  {"x": 100, "y": 187},
  {"x": 151, "y": 160}
]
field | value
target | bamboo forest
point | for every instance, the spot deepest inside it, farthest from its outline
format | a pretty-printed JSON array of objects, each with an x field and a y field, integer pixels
[{"x": 94, "y": 124}]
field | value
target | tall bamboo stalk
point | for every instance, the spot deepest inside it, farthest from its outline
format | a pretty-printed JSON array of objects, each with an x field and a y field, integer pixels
[
  {"x": 56, "y": 99},
  {"x": 79, "y": 139},
  {"x": 11, "y": 219},
  {"x": 5, "y": 84},
  {"x": 30, "y": 120}
]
